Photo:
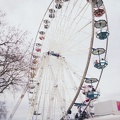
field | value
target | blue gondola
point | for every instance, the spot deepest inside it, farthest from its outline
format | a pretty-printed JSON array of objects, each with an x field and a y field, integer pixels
[
  {"x": 80, "y": 104},
  {"x": 93, "y": 95},
  {"x": 102, "y": 35},
  {"x": 101, "y": 64}
]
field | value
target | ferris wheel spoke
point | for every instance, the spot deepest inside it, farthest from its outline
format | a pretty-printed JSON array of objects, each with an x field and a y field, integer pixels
[
  {"x": 72, "y": 44},
  {"x": 69, "y": 32}
]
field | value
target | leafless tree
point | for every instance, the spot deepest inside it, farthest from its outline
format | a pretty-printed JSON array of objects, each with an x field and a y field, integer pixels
[
  {"x": 3, "y": 110},
  {"x": 14, "y": 57}
]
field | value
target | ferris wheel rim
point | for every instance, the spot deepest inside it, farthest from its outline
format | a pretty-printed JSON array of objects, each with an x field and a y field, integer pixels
[{"x": 90, "y": 52}]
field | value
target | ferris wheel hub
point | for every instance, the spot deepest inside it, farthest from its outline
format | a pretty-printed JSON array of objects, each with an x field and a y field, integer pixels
[{"x": 53, "y": 54}]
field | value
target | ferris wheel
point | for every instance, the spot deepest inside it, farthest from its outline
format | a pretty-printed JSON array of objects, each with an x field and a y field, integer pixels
[{"x": 68, "y": 59}]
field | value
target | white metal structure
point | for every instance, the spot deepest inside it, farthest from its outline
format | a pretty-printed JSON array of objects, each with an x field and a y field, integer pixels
[{"x": 62, "y": 58}]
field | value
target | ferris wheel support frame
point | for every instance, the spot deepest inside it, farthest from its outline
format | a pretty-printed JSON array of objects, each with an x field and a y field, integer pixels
[{"x": 18, "y": 102}]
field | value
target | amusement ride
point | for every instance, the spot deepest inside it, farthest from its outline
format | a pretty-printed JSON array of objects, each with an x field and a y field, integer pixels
[{"x": 67, "y": 61}]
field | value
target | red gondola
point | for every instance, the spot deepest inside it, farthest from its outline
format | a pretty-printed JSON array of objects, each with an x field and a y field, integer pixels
[
  {"x": 42, "y": 37},
  {"x": 38, "y": 49},
  {"x": 99, "y": 12}
]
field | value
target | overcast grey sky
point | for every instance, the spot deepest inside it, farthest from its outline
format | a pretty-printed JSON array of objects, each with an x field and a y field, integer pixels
[{"x": 28, "y": 14}]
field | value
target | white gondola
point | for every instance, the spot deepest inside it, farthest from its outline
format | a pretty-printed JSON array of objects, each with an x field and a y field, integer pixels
[
  {"x": 58, "y": 5},
  {"x": 51, "y": 10},
  {"x": 52, "y": 15},
  {"x": 58, "y": 1},
  {"x": 46, "y": 21},
  {"x": 98, "y": 51},
  {"x": 66, "y": 0},
  {"x": 46, "y": 26},
  {"x": 42, "y": 32},
  {"x": 100, "y": 24},
  {"x": 31, "y": 86}
]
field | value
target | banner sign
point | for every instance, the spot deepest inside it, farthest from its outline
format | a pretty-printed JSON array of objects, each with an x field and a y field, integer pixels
[{"x": 118, "y": 105}]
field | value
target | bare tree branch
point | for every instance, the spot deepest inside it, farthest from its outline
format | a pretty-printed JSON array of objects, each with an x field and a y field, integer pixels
[
  {"x": 3, "y": 110},
  {"x": 14, "y": 57}
]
